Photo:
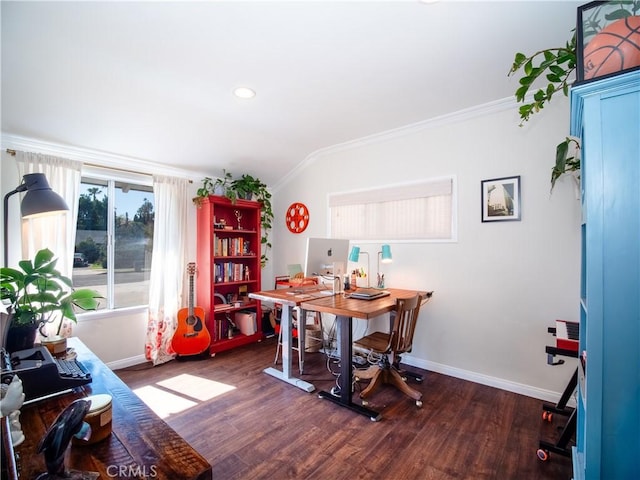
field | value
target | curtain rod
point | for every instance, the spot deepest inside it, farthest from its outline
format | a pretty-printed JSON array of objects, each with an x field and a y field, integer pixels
[{"x": 13, "y": 154}]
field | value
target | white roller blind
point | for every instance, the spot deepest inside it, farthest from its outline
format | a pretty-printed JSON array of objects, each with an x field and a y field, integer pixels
[{"x": 420, "y": 210}]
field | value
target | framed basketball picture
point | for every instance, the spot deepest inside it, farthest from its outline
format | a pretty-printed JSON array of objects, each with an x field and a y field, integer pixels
[
  {"x": 500, "y": 199},
  {"x": 607, "y": 39}
]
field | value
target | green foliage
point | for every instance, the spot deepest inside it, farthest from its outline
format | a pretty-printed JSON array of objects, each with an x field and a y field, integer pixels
[
  {"x": 567, "y": 159},
  {"x": 554, "y": 64},
  {"x": 40, "y": 294},
  {"x": 92, "y": 212},
  {"x": 246, "y": 187},
  {"x": 219, "y": 186}
]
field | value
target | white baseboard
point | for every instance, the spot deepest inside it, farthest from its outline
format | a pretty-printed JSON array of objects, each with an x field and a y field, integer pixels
[
  {"x": 127, "y": 362},
  {"x": 509, "y": 386}
]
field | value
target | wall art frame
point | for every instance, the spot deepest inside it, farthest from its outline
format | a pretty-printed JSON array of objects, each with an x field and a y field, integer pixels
[{"x": 500, "y": 199}]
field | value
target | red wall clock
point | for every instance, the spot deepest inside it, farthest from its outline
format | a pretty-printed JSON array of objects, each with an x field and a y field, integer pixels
[{"x": 297, "y": 217}]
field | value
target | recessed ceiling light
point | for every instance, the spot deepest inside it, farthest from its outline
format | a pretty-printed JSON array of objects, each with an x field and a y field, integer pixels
[{"x": 244, "y": 92}]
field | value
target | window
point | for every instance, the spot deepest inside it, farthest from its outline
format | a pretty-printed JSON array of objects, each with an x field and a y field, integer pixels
[
  {"x": 422, "y": 210},
  {"x": 114, "y": 237}
]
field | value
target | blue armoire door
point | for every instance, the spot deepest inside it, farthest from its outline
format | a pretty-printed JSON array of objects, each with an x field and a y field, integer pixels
[{"x": 606, "y": 116}]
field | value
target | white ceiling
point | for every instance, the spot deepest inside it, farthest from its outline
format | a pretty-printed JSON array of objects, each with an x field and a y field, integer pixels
[{"x": 154, "y": 80}]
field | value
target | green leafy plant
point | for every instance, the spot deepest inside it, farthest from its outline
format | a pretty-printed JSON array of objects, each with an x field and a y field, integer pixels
[
  {"x": 246, "y": 187},
  {"x": 567, "y": 159},
  {"x": 219, "y": 186},
  {"x": 38, "y": 293},
  {"x": 556, "y": 64}
]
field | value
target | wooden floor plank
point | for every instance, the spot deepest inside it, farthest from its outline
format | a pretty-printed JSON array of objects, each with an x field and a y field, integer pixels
[{"x": 266, "y": 429}]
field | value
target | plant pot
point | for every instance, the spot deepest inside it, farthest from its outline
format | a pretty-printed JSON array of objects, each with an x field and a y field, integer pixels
[
  {"x": 56, "y": 345},
  {"x": 21, "y": 337}
]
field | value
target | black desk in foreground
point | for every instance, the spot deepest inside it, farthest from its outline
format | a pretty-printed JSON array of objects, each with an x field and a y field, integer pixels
[
  {"x": 141, "y": 444},
  {"x": 345, "y": 309}
]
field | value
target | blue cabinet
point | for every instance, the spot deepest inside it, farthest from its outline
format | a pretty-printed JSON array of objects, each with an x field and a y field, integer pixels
[{"x": 605, "y": 114}]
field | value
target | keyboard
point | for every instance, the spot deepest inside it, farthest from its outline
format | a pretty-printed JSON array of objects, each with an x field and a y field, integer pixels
[
  {"x": 567, "y": 335},
  {"x": 71, "y": 369}
]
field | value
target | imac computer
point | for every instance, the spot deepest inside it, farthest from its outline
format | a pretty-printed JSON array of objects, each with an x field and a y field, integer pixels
[{"x": 323, "y": 253}]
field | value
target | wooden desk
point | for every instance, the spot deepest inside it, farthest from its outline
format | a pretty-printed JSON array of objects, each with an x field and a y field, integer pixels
[
  {"x": 345, "y": 309},
  {"x": 290, "y": 298},
  {"x": 141, "y": 444}
]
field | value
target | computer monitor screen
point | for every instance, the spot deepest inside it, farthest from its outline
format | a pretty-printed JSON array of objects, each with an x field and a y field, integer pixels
[{"x": 322, "y": 253}]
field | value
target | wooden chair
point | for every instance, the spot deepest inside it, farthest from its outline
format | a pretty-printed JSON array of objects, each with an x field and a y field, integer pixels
[{"x": 390, "y": 346}]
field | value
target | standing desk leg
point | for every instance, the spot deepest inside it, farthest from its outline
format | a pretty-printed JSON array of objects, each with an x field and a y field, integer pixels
[
  {"x": 561, "y": 445},
  {"x": 287, "y": 353},
  {"x": 346, "y": 372},
  {"x": 561, "y": 406},
  {"x": 302, "y": 334}
]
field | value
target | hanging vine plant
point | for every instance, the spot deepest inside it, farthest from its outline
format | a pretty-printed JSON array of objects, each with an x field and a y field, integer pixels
[{"x": 557, "y": 66}]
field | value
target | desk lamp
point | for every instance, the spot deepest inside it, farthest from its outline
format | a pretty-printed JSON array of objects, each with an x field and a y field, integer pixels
[
  {"x": 384, "y": 256},
  {"x": 354, "y": 256},
  {"x": 38, "y": 200}
]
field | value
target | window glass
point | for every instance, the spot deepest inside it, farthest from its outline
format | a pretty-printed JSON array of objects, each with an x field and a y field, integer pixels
[{"x": 114, "y": 241}]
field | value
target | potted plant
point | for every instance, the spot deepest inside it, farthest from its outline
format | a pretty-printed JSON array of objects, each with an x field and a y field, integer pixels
[
  {"x": 219, "y": 186},
  {"x": 38, "y": 294},
  {"x": 556, "y": 65},
  {"x": 246, "y": 187}
]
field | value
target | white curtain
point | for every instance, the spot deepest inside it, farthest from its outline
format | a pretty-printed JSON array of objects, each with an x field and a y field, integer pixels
[
  {"x": 167, "y": 265},
  {"x": 55, "y": 232}
]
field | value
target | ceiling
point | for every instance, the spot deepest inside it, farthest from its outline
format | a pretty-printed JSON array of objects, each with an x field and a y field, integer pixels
[{"x": 153, "y": 80}]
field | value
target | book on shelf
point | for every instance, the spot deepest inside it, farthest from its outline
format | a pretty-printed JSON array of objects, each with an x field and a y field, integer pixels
[
  {"x": 230, "y": 247},
  {"x": 231, "y": 272}
]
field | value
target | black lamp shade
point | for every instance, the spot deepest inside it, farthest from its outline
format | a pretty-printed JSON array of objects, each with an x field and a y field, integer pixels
[{"x": 40, "y": 198}]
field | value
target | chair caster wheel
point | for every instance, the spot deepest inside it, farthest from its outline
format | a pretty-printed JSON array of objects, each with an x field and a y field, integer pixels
[
  {"x": 547, "y": 416},
  {"x": 543, "y": 455},
  {"x": 419, "y": 403}
]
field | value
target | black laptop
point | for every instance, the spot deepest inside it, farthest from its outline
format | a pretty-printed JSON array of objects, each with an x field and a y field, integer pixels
[{"x": 369, "y": 293}]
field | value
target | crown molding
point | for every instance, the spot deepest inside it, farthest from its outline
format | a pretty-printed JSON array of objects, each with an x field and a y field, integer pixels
[{"x": 435, "y": 122}]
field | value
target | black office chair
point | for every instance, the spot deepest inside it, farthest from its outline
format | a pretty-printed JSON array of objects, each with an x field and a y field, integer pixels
[{"x": 389, "y": 347}]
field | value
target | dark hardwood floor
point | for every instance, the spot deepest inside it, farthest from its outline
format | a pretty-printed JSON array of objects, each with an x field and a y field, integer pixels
[{"x": 263, "y": 428}]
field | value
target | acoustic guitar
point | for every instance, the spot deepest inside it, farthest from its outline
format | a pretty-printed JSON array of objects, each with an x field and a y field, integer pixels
[{"x": 191, "y": 336}]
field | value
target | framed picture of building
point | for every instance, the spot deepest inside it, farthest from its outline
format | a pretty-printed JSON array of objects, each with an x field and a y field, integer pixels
[{"x": 500, "y": 198}]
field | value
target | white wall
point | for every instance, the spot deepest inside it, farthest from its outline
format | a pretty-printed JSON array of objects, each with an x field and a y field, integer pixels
[{"x": 497, "y": 288}]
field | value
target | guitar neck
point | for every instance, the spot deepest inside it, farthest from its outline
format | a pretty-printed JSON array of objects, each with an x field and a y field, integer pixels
[{"x": 190, "y": 295}]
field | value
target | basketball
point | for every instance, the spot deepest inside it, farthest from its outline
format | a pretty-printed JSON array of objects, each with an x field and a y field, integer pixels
[{"x": 615, "y": 48}]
